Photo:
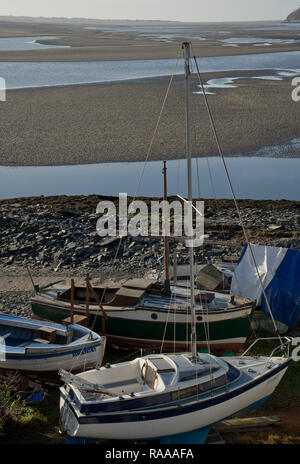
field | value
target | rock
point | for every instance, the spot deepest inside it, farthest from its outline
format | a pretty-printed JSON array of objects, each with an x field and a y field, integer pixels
[
  {"x": 71, "y": 245},
  {"x": 69, "y": 213},
  {"x": 273, "y": 227}
]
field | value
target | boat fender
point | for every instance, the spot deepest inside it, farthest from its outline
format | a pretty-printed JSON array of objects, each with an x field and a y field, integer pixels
[
  {"x": 154, "y": 380},
  {"x": 144, "y": 371}
]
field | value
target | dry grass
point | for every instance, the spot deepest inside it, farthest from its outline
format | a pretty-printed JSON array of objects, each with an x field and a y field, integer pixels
[{"x": 12, "y": 406}]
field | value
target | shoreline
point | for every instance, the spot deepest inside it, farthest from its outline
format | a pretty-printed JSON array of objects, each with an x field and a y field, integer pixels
[
  {"x": 89, "y": 54},
  {"x": 129, "y": 161}
]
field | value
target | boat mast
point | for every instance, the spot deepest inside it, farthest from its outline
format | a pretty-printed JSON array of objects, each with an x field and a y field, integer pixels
[
  {"x": 186, "y": 47},
  {"x": 166, "y": 241}
]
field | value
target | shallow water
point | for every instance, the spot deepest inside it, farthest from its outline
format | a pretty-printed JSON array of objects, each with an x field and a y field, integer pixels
[
  {"x": 157, "y": 31},
  {"x": 201, "y": 28},
  {"x": 257, "y": 41},
  {"x": 26, "y": 43},
  {"x": 229, "y": 82},
  {"x": 40, "y": 74},
  {"x": 276, "y": 26},
  {"x": 256, "y": 178}
]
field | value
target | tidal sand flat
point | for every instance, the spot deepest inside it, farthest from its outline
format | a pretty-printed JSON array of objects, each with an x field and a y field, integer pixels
[
  {"x": 115, "y": 122},
  {"x": 133, "y": 40}
]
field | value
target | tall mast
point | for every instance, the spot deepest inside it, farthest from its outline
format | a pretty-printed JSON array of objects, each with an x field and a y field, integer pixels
[
  {"x": 186, "y": 47},
  {"x": 166, "y": 241}
]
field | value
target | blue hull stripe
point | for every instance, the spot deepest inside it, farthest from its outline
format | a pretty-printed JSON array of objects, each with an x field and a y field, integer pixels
[
  {"x": 77, "y": 352},
  {"x": 135, "y": 416}
]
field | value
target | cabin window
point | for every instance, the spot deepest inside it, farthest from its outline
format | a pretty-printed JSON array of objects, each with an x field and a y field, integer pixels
[{"x": 154, "y": 316}]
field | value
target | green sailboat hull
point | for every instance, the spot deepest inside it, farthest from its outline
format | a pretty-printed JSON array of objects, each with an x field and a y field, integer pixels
[{"x": 131, "y": 332}]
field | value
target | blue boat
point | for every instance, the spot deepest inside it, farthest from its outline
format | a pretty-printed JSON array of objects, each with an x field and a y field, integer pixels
[{"x": 40, "y": 348}]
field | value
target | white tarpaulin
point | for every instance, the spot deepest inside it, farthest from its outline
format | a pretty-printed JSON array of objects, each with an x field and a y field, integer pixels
[{"x": 245, "y": 282}]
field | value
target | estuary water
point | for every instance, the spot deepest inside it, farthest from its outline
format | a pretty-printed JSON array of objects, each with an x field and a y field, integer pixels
[
  {"x": 47, "y": 74},
  {"x": 26, "y": 43},
  {"x": 252, "y": 178}
]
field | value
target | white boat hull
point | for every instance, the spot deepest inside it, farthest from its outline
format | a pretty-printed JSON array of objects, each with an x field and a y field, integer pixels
[
  {"x": 73, "y": 347},
  {"x": 172, "y": 425},
  {"x": 73, "y": 360}
]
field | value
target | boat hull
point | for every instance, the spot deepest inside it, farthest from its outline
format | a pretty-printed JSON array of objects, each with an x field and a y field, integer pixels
[
  {"x": 160, "y": 423},
  {"x": 228, "y": 330},
  {"x": 49, "y": 361},
  {"x": 34, "y": 348}
]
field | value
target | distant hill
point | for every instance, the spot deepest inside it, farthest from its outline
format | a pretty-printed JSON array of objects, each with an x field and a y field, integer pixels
[
  {"x": 294, "y": 16},
  {"x": 121, "y": 22}
]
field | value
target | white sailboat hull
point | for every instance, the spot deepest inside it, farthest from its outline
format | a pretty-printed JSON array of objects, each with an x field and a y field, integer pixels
[{"x": 171, "y": 425}]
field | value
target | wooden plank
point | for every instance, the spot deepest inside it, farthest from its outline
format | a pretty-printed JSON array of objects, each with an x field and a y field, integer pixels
[
  {"x": 46, "y": 329},
  {"x": 87, "y": 295},
  {"x": 131, "y": 293},
  {"x": 103, "y": 323},
  {"x": 210, "y": 277},
  {"x": 141, "y": 284},
  {"x": 47, "y": 333},
  {"x": 41, "y": 340},
  {"x": 246, "y": 424},
  {"x": 77, "y": 319},
  {"x": 72, "y": 300}
]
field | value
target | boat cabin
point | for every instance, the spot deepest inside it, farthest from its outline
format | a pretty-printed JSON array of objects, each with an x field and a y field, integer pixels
[
  {"x": 178, "y": 376},
  {"x": 129, "y": 294}
]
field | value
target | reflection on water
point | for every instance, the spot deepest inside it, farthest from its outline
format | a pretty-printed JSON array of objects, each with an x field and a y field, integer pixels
[{"x": 256, "y": 178}]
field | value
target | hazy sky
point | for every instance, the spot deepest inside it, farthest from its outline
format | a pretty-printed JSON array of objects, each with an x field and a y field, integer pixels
[{"x": 180, "y": 10}]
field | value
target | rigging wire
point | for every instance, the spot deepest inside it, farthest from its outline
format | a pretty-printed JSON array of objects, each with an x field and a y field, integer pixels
[
  {"x": 145, "y": 162},
  {"x": 234, "y": 197},
  {"x": 157, "y": 123},
  {"x": 144, "y": 166}
]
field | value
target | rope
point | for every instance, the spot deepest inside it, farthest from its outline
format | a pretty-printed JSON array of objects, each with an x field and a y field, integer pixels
[
  {"x": 167, "y": 320},
  {"x": 157, "y": 124},
  {"x": 234, "y": 197}
]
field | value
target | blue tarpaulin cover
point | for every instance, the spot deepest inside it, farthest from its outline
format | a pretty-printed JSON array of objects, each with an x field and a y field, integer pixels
[
  {"x": 283, "y": 292},
  {"x": 279, "y": 269}
]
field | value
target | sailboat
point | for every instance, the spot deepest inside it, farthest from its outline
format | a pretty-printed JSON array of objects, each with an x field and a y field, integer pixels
[
  {"x": 167, "y": 396},
  {"x": 139, "y": 314},
  {"x": 143, "y": 312}
]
